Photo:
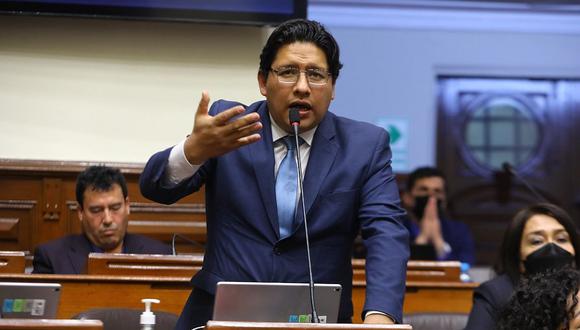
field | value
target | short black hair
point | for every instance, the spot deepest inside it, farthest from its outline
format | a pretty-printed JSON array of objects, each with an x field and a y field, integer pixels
[
  {"x": 301, "y": 30},
  {"x": 541, "y": 301},
  {"x": 421, "y": 173},
  {"x": 508, "y": 261},
  {"x": 99, "y": 178}
]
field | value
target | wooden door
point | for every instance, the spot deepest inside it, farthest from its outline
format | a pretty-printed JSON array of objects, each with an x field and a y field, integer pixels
[{"x": 531, "y": 124}]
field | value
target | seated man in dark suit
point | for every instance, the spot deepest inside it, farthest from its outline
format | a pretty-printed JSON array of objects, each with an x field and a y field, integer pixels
[
  {"x": 103, "y": 209},
  {"x": 425, "y": 198}
]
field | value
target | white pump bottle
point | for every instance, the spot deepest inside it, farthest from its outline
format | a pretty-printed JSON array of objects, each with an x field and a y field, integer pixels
[{"x": 147, "y": 317}]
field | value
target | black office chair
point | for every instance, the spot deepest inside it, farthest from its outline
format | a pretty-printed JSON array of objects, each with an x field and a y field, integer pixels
[
  {"x": 436, "y": 321},
  {"x": 124, "y": 318}
]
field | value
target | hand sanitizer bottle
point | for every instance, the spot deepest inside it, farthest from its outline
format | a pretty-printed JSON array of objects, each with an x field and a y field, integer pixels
[
  {"x": 464, "y": 276},
  {"x": 147, "y": 317}
]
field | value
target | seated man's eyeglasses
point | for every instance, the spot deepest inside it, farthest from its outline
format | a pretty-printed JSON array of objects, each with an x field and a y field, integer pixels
[{"x": 290, "y": 75}]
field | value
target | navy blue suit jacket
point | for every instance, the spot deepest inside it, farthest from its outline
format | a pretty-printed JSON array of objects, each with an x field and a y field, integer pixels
[
  {"x": 69, "y": 254},
  {"x": 456, "y": 234},
  {"x": 348, "y": 185},
  {"x": 488, "y": 301}
]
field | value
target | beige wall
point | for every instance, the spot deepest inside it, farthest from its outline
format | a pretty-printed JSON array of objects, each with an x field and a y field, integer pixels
[{"x": 106, "y": 90}]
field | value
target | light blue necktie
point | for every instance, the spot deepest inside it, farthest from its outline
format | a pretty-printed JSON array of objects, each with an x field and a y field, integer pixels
[{"x": 287, "y": 188}]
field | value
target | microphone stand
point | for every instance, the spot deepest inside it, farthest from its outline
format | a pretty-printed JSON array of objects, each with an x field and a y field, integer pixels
[
  {"x": 294, "y": 117},
  {"x": 508, "y": 168},
  {"x": 185, "y": 238}
]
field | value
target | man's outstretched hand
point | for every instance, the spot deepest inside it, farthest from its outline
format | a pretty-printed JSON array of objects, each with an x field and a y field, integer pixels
[{"x": 217, "y": 135}]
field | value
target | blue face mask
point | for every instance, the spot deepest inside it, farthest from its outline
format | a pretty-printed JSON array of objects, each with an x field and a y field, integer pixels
[{"x": 549, "y": 256}]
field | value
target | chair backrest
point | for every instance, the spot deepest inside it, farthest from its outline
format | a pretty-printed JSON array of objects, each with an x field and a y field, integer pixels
[
  {"x": 124, "y": 318},
  {"x": 436, "y": 321}
]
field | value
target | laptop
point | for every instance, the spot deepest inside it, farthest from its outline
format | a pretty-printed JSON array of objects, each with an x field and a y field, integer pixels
[
  {"x": 275, "y": 302},
  {"x": 29, "y": 300}
]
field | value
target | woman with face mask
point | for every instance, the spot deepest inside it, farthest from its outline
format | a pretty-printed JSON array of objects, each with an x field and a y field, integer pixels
[{"x": 539, "y": 237}]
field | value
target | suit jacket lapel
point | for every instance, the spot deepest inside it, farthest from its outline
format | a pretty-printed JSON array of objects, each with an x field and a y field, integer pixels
[
  {"x": 322, "y": 155},
  {"x": 78, "y": 253},
  {"x": 262, "y": 159},
  {"x": 132, "y": 244}
]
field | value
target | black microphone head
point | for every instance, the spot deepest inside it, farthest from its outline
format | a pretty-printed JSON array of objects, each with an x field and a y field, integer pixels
[
  {"x": 506, "y": 167},
  {"x": 294, "y": 115}
]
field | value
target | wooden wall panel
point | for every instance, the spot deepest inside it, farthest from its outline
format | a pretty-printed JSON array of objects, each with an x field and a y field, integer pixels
[
  {"x": 38, "y": 203},
  {"x": 16, "y": 217}
]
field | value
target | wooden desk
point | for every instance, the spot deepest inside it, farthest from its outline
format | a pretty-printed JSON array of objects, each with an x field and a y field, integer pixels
[
  {"x": 432, "y": 286},
  {"x": 144, "y": 264},
  {"x": 418, "y": 271},
  {"x": 12, "y": 262},
  {"x": 83, "y": 292},
  {"x": 454, "y": 297},
  {"x": 26, "y": 324},
  {"x": 221, "y": 325},
  {"x": 188, "y": 265}
]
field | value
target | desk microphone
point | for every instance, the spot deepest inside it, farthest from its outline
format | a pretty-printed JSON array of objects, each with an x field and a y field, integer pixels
[
  {"x": 509, "y": 169},
  {"x": 294, "y": 118}
]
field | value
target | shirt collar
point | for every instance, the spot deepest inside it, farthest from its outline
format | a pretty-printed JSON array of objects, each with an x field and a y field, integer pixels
[{"x": 278, "y": 132}]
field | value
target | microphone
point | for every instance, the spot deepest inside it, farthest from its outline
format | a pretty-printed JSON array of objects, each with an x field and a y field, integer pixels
[
  {"x": 185, "y": 238},
  {"x": 294, "y": 118},
  {"x": 509, "y": 169}
]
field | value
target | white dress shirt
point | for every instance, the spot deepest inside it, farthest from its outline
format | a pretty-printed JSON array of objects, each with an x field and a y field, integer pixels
[{"x": 179, "y": 169}]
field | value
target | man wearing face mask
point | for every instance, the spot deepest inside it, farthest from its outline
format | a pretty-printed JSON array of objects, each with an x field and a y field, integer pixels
[{"x": 425, "y": 199}]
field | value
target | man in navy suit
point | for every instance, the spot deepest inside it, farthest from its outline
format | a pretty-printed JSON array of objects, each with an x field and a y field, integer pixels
[
  {"x": 236, "y": 151},
  {"x": 426, "y": 198},
  {"x": 103, "y": 209}
]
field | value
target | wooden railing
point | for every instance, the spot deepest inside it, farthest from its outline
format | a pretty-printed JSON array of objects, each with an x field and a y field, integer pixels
[
  {"x": 12, "y": 262},
  {"x": 188, "y": 265},
  {"x": 127, "y": 291},
  {"x": 143, "y": 264},
  {"x": 419, "y": 271}
]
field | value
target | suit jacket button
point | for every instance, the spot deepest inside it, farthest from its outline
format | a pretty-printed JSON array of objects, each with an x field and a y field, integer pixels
[{"x": 277, "y": 251}]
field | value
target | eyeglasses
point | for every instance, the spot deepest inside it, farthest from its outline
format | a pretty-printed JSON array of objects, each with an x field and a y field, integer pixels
[{"x": 315, "y": 77}]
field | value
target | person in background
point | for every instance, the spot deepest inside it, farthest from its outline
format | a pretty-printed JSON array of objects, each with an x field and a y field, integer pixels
[
  {"x": 539, "y": 237},
  {"x": 425, "y": 199},
  {"x": 547, "y": 300},
  {"x": 103, "y": 210},
  {"x": 246, "y": 158}
]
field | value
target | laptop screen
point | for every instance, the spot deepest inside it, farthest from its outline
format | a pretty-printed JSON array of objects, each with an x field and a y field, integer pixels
[
  {"x": 29, "y": 300},
  {"x": 275, "y": 302}
]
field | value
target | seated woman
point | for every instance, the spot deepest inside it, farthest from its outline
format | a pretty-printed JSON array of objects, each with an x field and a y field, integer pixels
[
  {"x": 539, "y": 237},
  {"x": 544, "y": 301}
]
